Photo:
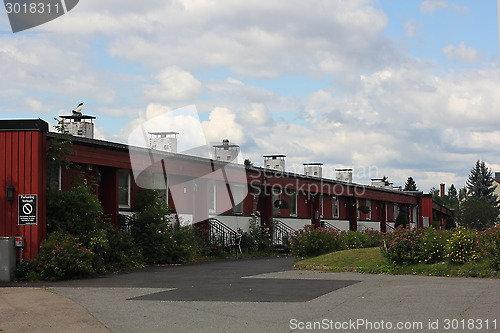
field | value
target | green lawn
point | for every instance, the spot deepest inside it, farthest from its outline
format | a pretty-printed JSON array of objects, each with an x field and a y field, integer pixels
[{"x": 371, "y": 260}]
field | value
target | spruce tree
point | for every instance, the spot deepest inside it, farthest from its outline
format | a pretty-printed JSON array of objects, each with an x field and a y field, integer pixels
[
  {"x": 480, "y": 209},
  {"x": 410, "y": 185},
  {"x": 480, "y": 183}
]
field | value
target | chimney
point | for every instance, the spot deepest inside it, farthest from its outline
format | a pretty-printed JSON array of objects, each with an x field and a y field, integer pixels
[
  {"x": 378, "y": 182},
  {"x": 226, "y": 152},
  {"x": 344, "y": 175},
  {"x": 441, "y": 190},
  {"x": 164, "y": 141},
  {"x": 313, "y": 169},
  {"x": 79, "y": 125},
  {"x": 275, "y": 162}
]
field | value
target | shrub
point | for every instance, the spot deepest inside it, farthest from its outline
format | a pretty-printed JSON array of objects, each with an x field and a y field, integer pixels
[
  {"x": 76, "y": 212},
  {"x": 310, "y": 241},
  {"x": 489, "y": 243},
  {"x": 375, "y": 238},
  {"x": 256, "y": 239},
  {"x": 462, "y": 246},
  {"x": 159, "y": 240},
  {"x": 401, "y": 221},
  {"x": 61, "y": 257},
  {"x": 409, "y": 246},
  {"x": 122, "y": 251},
  {"x": 355, "y": 239}
]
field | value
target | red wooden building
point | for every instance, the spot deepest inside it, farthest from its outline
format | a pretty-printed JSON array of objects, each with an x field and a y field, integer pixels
[{"x": 198, "y": 188}]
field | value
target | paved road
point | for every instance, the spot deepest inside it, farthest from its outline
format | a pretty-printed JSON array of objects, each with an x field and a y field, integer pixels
[{"x": 266, "y": 295}]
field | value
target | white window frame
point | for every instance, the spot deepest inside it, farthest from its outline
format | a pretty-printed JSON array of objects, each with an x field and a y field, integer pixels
[
  {"x": 335, "y": 207},
  {"x": 368, "y": 204},
  {"x": 237, "y": 193},
  {"x": 120, "y": 205},
  {"x": 212, "y": 191},
  {"x": 293, "y": 197},
  {"x": 321, "y": 208}
]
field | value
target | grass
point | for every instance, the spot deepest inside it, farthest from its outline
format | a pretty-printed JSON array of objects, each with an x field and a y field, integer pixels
[{"x": 371, "y": 260}]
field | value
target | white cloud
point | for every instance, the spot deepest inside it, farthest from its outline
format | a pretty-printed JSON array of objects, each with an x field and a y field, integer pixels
[
  {"x": 34, "y": 104},
  {"x": 222, "y": 124},
  {"x": 174, "y": 83},
  {"x": 430, "y": 6},
  {"x": 462, "y": 53}
]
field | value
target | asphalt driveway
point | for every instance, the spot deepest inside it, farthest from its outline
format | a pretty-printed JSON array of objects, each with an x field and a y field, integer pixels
[{"x": 266, "y": 295}]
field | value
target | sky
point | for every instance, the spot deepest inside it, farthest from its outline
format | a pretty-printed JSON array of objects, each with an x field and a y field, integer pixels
[{"x": 389, "y": 88}]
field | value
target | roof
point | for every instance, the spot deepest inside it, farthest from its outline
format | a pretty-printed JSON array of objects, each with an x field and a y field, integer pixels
[{"x": 24, "y": 125}]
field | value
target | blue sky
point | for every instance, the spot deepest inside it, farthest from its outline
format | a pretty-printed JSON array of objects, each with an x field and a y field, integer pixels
[{"x": 394, "y": 88}]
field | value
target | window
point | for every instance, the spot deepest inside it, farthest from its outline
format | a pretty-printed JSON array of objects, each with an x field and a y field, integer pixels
[
  {"x": 292, "y": 197},
  {"x": 54, "y": 174},
  {"x": 357, "y": 210},
  {"x": 335, "y": 207},
  {"x": 276, "y": 196},
  {"x": 212, "y": 197},
  {"x": 237, "y": 192},
  {"x": 160, "y": 182},
  {"x": 321, "y": 210},
  {"x": 124, "y": 188},
  {"x": 396, "y": 211},
  {"x": 369, "y": 206}
]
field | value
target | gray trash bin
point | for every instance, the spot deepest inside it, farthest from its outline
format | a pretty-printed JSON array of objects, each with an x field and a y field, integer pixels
[{"x": 7, "y": 258}]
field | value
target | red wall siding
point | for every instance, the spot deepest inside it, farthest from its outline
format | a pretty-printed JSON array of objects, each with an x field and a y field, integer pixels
[
  {"x": 375, "y": 208},
  {"x": 23, "y": 164},
  {"x": 390, "y": 212},
  {"x": 343, "y": 208},
  {"x": 327, "y": 207}
]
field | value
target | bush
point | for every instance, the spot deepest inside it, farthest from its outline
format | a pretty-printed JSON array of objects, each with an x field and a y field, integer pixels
[
  {"x": 355, "y": 239},
  {"x": 159, "y": 240},
  {"x": 462, "y": 246},
  {"x": 61, "y": 257},
  {"x": 375, "y": 238},
  {"x": 489, "y": 243},
  {"x": 409, "y": 246},
  {"x": 76, "y": 212},
  {"x": 401, "y": 221},
  {"x": 256, "y": 239},
  {"x": 310, "y": 241}
]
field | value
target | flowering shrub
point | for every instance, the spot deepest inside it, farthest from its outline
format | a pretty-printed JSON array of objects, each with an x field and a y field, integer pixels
[
  {"x": 375, "y": 238},
  {"x": 355, "y": 239},
  {"x": 62, "y": 257},
  {"x": 362, "y": 239},
  {"x": 409, "y": 246},
  {"x": 256, "y": 239},
  {"x": 462, "y": 246},
  {"x": 489, "y": 243},
  {"x": 312, "y": 241}
]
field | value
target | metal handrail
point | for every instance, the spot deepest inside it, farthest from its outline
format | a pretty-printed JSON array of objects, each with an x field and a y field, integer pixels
[
  {"x": 328, "y": 225},
  {"x": 219, "y": 233},
  {"x": 389, "y": 227},
  {"x": 282, "y": 232}
]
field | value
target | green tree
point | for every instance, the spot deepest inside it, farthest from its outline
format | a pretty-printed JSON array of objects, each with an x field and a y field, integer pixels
[
  {"x": 480, "y": 209},
  {"x": 480, "y": 183},
  {"x": 452, "y": 199},
  {"x": 410, "y": 185}
]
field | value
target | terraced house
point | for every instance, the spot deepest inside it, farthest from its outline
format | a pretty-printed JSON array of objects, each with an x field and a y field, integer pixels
[{"x": 199, "y": 190}]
